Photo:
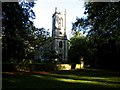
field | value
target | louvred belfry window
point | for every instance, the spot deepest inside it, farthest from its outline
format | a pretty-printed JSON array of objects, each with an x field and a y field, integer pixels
[{"x": 60, "y": 44}]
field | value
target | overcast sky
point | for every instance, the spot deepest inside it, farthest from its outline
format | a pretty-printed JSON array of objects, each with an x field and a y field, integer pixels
[{"x": 44, "y": 10}]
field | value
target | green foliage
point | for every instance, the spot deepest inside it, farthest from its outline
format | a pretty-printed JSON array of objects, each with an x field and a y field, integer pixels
[
  {"x": 20, "y": 37},
  {"x": 79, "y": 46},
  {"x": 15, "y": 26},
  {"x": 103, "y": 23}
]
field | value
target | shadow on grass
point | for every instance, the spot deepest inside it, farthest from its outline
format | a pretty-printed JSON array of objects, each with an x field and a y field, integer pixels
[{"x": 61, "y": 79}]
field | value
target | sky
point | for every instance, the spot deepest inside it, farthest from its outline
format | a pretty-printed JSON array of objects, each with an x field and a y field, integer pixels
[{"x": 44, "y": 9}]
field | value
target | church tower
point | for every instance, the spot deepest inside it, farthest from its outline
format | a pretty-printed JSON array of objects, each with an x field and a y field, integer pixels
[{"x": 59, "y": 44}]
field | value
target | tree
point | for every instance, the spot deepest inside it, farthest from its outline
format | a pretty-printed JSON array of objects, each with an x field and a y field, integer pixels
[
  {"x": 16, "y": 29},
  {"x": 103, "y": 22},
  {"x": 38, "y": 37},
  {"x": 21, "y": 39},
  {"x": 79, "y": 46}
]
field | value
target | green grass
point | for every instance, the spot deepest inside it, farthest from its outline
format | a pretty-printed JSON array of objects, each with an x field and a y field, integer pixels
[{"x": 62, "y": 79}]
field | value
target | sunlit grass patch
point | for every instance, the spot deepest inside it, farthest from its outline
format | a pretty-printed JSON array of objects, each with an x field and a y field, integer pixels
[
  {"x": 99, "y": 81},
  {"x": 76, "y": 77},
  {"x": 102, "y": 84},
  {"x": 66, "y": 79}
]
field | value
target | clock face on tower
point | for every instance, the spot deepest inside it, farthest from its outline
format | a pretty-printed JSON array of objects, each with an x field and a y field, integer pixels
[{"x": 59, "y": 22}]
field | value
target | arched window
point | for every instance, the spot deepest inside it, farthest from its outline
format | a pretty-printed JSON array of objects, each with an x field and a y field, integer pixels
[{"x": 60, "y": 44}]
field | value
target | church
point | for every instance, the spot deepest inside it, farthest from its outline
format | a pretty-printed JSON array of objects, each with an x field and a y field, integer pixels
[
  {"x": 59, "y": 37},
  {"x": 59, "y": 42}
]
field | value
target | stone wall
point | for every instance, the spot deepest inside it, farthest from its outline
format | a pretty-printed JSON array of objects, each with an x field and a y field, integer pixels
[
  {"x": 50, "y": 67},
  {"x": 41, "y": 67}
]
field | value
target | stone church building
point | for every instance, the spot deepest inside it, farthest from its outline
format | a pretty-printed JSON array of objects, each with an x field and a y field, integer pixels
[{"x": 59, "y": 37}]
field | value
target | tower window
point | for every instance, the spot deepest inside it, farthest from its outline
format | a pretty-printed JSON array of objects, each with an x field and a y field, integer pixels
[
  {"x": 60, "y": 50},
  {"x": 60, "y": 57},
  {"x": 60, "y": 44}
]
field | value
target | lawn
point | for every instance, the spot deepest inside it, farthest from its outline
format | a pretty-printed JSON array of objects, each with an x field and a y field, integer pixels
[{"x": 85, "y": 78}]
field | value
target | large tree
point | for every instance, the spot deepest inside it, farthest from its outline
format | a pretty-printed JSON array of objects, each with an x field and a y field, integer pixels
[
  {"x": 16, "y": 25},
  {"x": 80, "y": 46},
  {"x": 103, "y": 22},
  {"x": 21, "y": 39}
]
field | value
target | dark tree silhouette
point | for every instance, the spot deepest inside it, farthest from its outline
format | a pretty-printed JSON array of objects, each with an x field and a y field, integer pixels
[{"x": 103, "y": 22}]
